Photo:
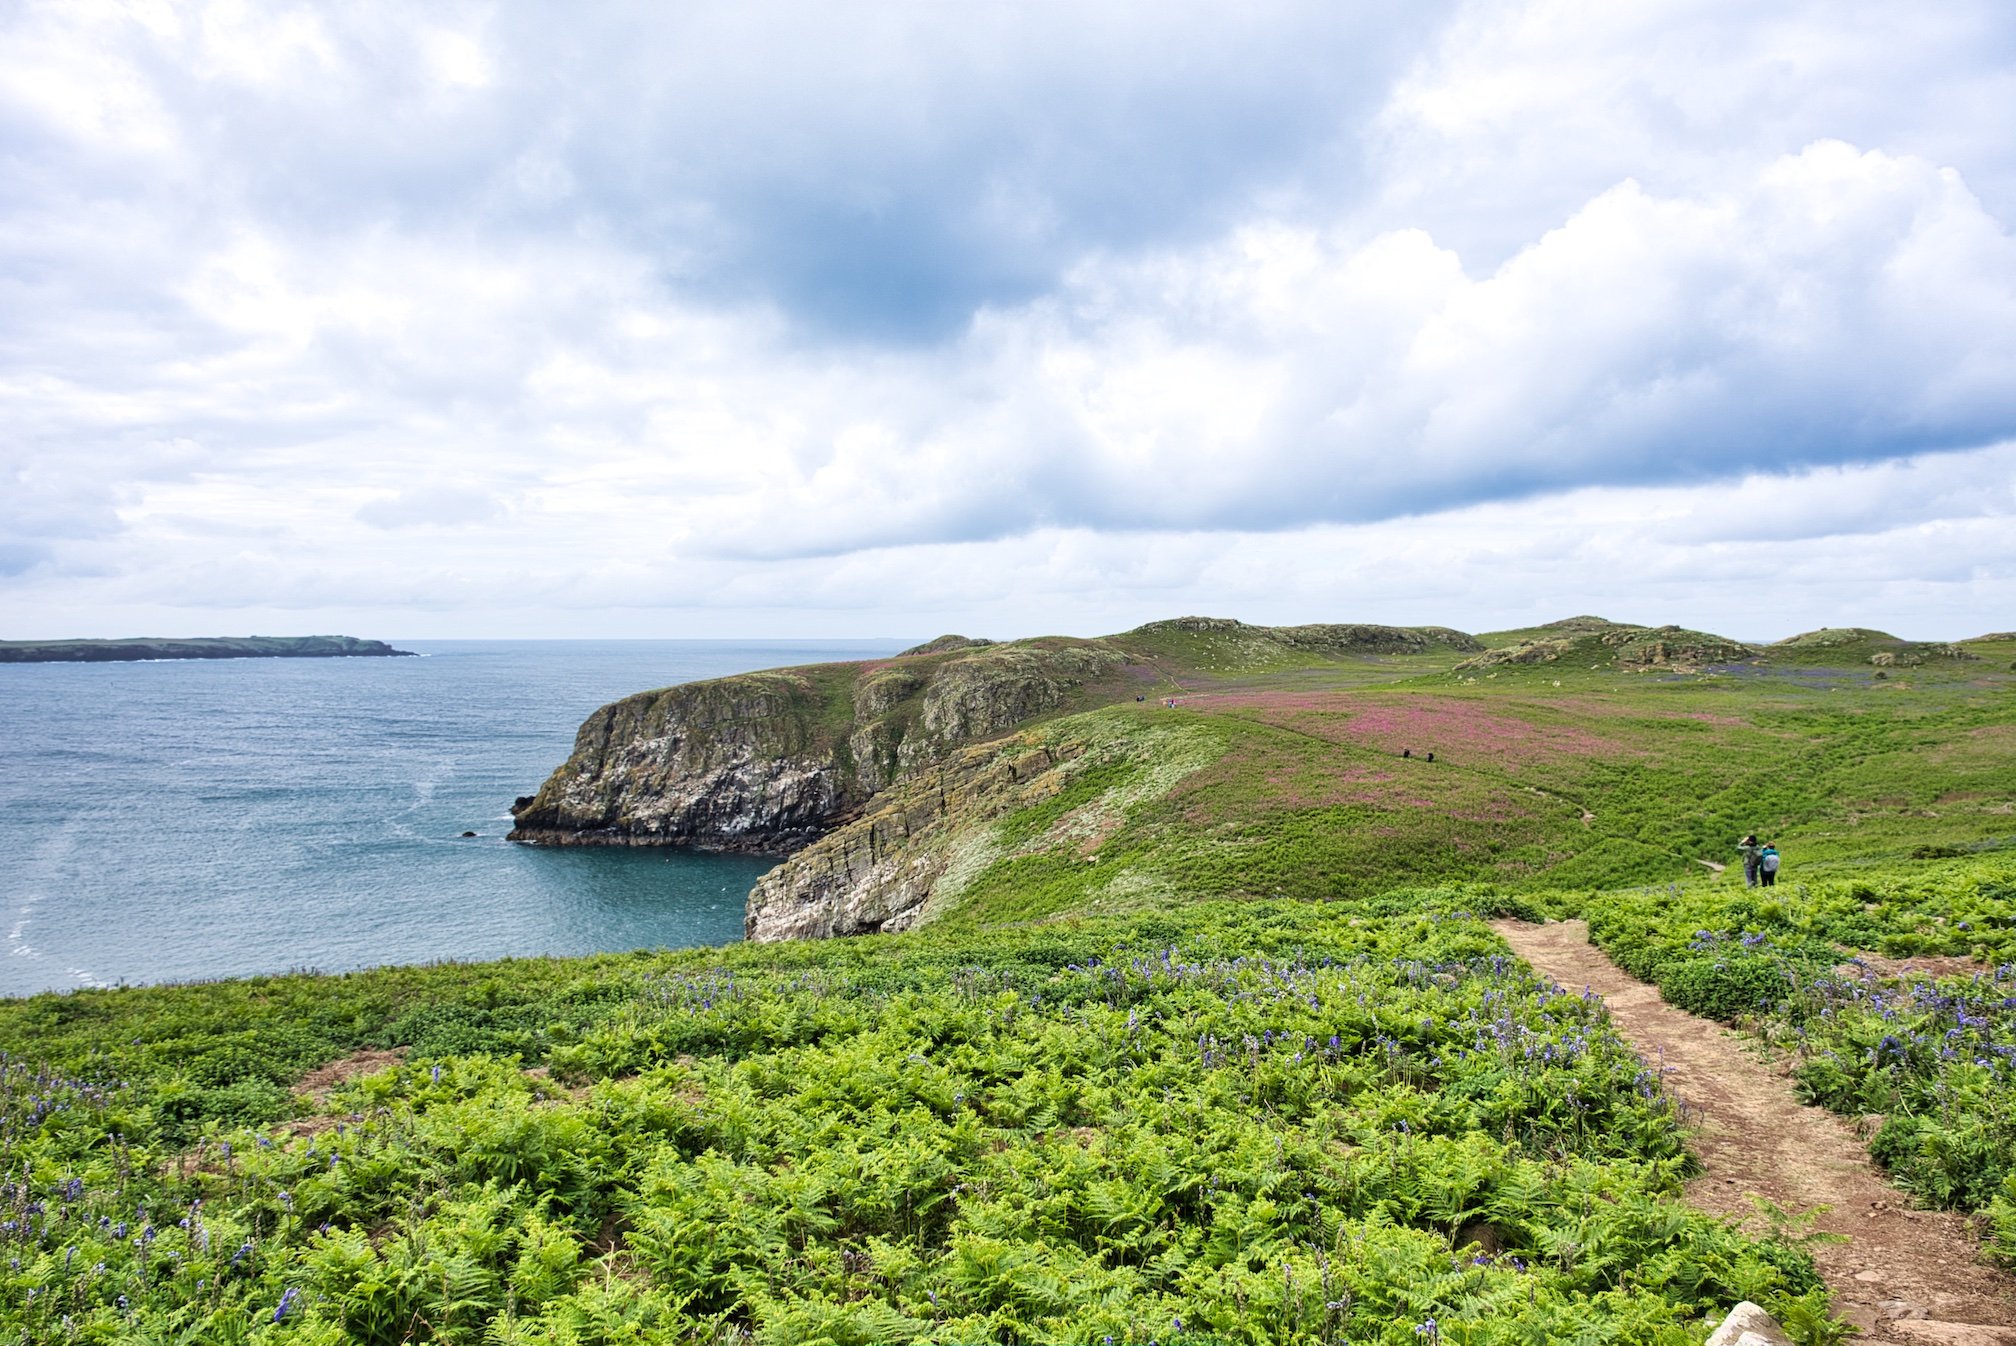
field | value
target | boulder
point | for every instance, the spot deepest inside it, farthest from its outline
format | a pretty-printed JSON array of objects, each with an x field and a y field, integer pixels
[{"x": 1748, "y": 1325}]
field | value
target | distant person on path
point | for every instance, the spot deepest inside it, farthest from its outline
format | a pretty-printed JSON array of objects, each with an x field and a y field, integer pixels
[
  {"x": 1750, "y": 851},
  {"x": 1767, "y": 866}
]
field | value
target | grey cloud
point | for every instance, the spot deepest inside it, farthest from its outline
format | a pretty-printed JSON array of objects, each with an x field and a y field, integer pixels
[
  {"x": 1838, "y": 307},
  {"x": 875, "y": 173},
  {"x": 648, "y": 273}
]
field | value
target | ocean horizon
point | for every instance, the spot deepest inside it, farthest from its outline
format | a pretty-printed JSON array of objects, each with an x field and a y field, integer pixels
[{"x": 178, "y": 820}]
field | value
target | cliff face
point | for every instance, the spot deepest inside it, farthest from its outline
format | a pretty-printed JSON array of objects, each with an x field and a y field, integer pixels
[
  {"x": 877, "y": 872},
  {"x": 915, "y": 850},
  {"x": 769, "y": 761},
  {"x": 882, "y": 777}
]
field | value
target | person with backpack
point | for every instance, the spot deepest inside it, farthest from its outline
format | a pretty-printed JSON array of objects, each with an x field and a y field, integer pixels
[
  {"x": 1767, "y": 865},
  {"x": 1749, "y": 850}
]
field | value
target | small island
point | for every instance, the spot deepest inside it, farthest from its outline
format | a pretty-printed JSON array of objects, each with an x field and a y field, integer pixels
[{"x": 198, "y": 647}]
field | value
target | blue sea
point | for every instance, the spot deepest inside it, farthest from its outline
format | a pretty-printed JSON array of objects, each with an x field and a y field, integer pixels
[{"x": 177, "y": 820}]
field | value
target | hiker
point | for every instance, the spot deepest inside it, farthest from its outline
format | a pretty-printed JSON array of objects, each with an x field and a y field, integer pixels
[
  {"x": 1767, "y": 865},
  {"x": 1406, "y": 752},
  {"x": 1749, "y": 850},
  {"x": 1431, "y": 756}
]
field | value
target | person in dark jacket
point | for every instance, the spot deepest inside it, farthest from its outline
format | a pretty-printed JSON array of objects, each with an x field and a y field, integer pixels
[{"x": 1750, "y": 851}]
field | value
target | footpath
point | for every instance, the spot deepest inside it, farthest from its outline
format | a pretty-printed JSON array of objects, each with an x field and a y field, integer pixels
[{"x": 1905, "y": 1277}]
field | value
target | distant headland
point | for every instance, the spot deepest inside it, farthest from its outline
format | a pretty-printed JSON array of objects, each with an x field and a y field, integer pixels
[{"x": 198, "y": 647}]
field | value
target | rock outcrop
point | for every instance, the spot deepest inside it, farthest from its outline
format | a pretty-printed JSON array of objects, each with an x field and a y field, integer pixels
[
  {"x": 768, "y": 761},
  {"x": 1749, "y": 1325},
  {"x": 1839, "y": 645},
  {"x": 876, "y": 873},
  {"x": 1220, "y": 638},
  {"x": 1594, "y": 640},
  {"x": 914, "y": 851},
  {"x": 946, "y": 644},
  {"x": 1675, "y": 647},
  {"x": 876, "y": 778}
]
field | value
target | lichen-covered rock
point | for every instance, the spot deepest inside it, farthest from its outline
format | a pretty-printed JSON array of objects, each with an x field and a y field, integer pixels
[
  {"x": 877, "y": 872},
  {"x": 737, "y": 763},
  {"x": 768, "y": 761},
  {"x": 916, "y": 849},
  {"x": 1675, "y": 647},
  {"x": 1525, "y": 652}
]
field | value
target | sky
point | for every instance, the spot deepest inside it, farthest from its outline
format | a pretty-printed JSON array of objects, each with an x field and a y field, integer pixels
[{"x": 895, "y": 318}]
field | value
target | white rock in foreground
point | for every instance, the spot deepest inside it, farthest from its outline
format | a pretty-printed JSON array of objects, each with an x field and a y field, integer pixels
[{"x": 1748, "y": 1325}]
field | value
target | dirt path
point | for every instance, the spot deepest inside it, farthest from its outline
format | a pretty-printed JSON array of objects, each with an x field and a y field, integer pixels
[{"x": 1906, "y": 1277}]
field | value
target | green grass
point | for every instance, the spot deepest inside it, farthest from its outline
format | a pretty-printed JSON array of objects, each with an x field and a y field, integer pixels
[{"x": 1208, "y": 1034}]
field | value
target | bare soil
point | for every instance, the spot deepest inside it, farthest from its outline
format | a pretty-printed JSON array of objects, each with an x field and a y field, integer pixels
[
  {"x": 1905, "y": 1276},
  {"x": 1929, "y": 965},
  {"x": 317, "y": 1083}
]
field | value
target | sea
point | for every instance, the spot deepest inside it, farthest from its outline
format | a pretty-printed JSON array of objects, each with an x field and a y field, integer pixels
[{"x": 181, "y": 820}]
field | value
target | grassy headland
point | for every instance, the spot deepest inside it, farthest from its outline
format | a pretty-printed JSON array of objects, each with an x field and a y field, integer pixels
[
  {"x": 194, "y": 647},
  {"x": 1198, "y": 1035}
]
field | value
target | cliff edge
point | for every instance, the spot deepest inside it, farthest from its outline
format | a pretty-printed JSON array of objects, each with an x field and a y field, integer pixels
[{"x": 769, "y": 761}]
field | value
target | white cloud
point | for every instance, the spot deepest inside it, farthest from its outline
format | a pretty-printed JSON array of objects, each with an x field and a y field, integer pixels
[{"x": 775, "y": 310}]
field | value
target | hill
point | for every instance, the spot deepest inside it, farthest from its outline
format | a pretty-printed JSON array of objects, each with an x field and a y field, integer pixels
[
  {"x": 197, "y": 647},
  {"x": 1193, "y": 1029}
]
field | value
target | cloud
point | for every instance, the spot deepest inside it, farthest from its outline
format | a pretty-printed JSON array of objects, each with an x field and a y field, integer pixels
[
  {"x": 783, "y": 308},
  {"x": 430, "y": 507},
  {"x": 1838, "y": 306}
]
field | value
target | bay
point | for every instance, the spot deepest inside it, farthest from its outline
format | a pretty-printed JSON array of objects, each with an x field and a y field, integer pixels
[{"x": 182, "y": 820}]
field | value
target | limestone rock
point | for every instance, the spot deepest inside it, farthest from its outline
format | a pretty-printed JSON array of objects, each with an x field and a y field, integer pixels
[{"x": 1748, "y": 1325}]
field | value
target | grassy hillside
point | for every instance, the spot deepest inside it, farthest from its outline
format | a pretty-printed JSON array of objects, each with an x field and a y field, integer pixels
[{"x": 1201, "y": 1038}]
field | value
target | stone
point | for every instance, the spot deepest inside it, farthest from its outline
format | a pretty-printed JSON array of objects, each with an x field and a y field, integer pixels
[
  {"x": 770, "y": 761},
  {"x": 1749, "y": 1325},
  {"x": 1936, "y": 1333}
]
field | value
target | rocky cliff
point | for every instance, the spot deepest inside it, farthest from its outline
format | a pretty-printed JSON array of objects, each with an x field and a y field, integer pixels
[
  {"x": 877, "y": 774},
  {"x": 769, "y": 761},
  {"x": 914, "y": 851},
  {"x": 1596, "y": 642}
]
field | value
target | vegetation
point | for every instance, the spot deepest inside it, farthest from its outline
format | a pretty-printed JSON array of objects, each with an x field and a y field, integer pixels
[
  {"x": 1207, "y": 1042},
  {"x": 1917, "y": 1030},
  {"x": 1261, "y": 1123},
  {"x": 200, "y": 647}
]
